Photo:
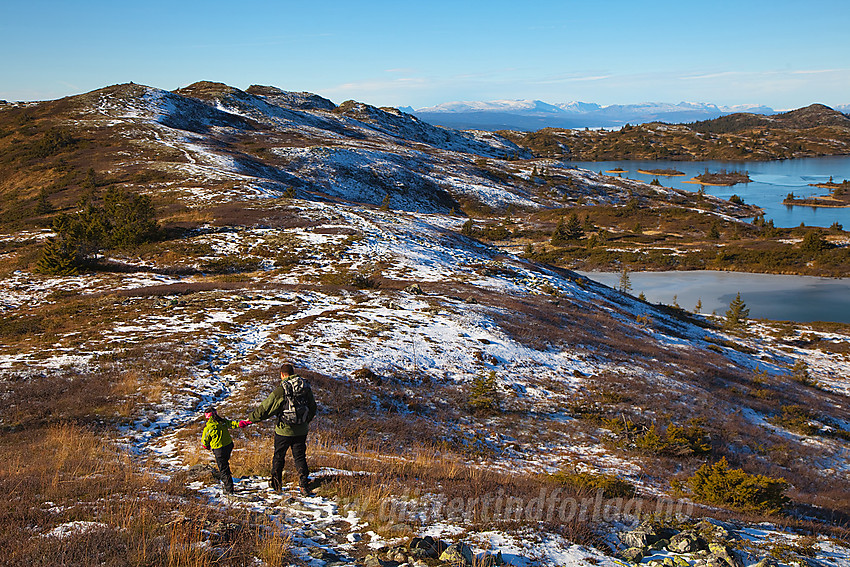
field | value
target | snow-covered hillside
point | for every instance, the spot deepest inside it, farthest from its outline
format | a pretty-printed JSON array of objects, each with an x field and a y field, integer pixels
[{"x": 277, "y": 250}]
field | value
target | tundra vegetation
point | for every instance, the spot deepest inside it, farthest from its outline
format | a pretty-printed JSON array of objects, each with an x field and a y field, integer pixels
[{"x": 163, "y": 251}]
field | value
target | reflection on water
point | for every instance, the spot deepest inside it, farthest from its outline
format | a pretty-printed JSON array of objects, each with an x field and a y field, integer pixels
[
  {"x": 772, "y": 181},
  {"x": 784, "y": 298}
]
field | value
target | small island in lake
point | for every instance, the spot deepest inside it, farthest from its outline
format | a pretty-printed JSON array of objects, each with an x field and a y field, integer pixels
[
  {"x": 721, "y": 178},
  {"x": 617, "y": 170},
  {"x": 667, "y": 172},
  {"x": 832, "y": 185},
  {"x": 839, "y": 196}
]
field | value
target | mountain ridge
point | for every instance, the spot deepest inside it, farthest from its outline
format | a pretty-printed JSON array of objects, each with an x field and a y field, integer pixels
[{"x": 535, "y": 114}]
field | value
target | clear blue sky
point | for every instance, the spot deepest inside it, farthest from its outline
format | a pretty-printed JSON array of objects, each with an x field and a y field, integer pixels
[{"x": 781, "y": 53}]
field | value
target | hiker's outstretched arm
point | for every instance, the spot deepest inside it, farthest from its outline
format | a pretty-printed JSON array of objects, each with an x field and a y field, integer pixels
[{"x": 268, "y": 408}]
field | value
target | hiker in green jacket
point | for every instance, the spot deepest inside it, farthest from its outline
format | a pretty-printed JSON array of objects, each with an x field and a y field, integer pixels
[
  {"x": 216, "y": 437},
  {"x": 293, "y": 404}
]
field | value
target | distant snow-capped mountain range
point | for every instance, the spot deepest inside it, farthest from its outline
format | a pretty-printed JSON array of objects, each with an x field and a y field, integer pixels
[{"x": 536, "y": 114}]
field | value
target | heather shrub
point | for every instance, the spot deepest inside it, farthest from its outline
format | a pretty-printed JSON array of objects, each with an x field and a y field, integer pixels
[{"x": 796, "y": 418}]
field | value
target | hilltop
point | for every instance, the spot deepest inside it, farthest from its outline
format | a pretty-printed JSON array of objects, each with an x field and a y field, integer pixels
[{"x": 375, "y": 251}]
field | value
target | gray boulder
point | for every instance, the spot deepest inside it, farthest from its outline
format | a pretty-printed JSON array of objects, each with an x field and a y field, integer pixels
[
  {"x": 684, "y": 542},
  {"x": 421, "y": 547},
  {"x": 643, "y": 536}
]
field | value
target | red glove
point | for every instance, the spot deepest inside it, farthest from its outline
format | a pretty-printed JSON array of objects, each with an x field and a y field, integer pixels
[
  {"x": 207, "y": 447},
  {"x": 245, "y": 423}
]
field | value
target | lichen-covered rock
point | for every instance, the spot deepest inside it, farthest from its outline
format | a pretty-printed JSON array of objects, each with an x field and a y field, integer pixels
[
  {"x": 414, "y": 289},
  {"x": 639, "y": 538},
  {"x": 684, "y": 542},
  {"x": 713, "y": 532},
  {"x": 766, "y": 562},
  {"x": 633, "y": 554},
  {"x": 457, "y": 553},
  {"x": 725, "y": 554}
]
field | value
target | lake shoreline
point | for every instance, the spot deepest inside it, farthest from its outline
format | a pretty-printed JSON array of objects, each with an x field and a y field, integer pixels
[
  {"x": 771, "y": 182},
  {"x": 775, "y": 297}
]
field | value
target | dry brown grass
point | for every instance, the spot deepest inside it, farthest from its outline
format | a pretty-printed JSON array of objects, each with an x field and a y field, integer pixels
[{"x": 52, "y": 476}]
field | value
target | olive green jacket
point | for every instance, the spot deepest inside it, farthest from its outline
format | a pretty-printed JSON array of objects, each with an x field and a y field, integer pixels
[
  {"x": 272, "y": 404},
  {"x": 216, "y": 434}
]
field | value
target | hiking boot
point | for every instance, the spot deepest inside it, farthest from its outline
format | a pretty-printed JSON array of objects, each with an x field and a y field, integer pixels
[{"x": 305, "y": 491}]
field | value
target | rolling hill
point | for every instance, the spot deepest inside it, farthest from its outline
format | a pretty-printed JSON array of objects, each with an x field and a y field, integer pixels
[{"x": 451, "y": 374}]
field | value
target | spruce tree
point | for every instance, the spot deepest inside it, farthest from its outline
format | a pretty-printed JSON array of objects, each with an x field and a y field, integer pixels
[
  {"x": 714, "y": 231},
  {"x": 625, "y": 283},
  {"x": 559, "y": 236},
  {"x": 58, "y": 259},
  {"x": 484, "y": 395},
  {"x": 737, "y": 314},
  {"x": 573, "y": 227},
  {"x": 43, "y": 206}
]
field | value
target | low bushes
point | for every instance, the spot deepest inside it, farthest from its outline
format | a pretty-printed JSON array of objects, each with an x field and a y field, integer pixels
[
  {"x": 610, "y": 485},
  {"x": 720, "y": 485}
]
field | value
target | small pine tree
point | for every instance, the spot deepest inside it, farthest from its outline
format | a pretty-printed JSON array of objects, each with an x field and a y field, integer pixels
[
  {"x": 573, "y": 228},
  {"x": 800, "y": 373},
  {"x": 814, "y": 243},
  {"x": 713, "y": 231},
  {"x": 57, "y": 258},
  {"x": 625, "y": 283},
  {"x": 698, "y": 306},
  {"x": 484, "y": 394},
  {"x": 559, "y": 236},
  {"x": 718, "y": 484},
  {"x": 43, "y": 206},
  {"x": 385, "y": 204},
  {"x": 737, "y": 314},
  {"x": 468, "y": 228}
]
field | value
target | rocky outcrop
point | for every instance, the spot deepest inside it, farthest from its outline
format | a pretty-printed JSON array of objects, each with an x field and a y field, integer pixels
[
  {"x": 704, "y": 544},
  {"x": 428, "y": 551}
]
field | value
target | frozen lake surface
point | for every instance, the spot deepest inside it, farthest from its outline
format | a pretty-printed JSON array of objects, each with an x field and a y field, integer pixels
[{"x": 768, "y": 296}]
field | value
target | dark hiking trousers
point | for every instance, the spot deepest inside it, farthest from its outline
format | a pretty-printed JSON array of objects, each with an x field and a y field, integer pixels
[
  {"x": 299, "y": 454},
  {"x": 222, "y": 459}
]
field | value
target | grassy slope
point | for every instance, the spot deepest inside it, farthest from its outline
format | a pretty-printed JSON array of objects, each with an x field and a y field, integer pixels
[{"x": 133, "y": 350}]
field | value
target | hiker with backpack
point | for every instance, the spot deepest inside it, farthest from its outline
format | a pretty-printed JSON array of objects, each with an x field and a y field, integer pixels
[
  {"x": 216, "y": 438},
  {"x": 294, "y": 406}
]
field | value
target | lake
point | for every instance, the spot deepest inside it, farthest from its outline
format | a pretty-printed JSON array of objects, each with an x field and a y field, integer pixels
[
  {"x": 778, "y": 297},
  {"x": 772, "y": 181}
]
